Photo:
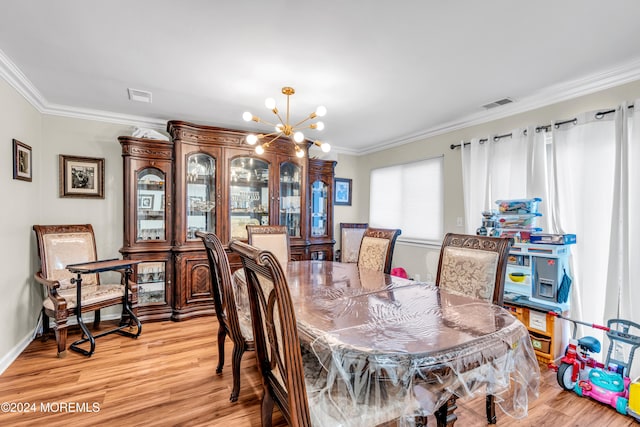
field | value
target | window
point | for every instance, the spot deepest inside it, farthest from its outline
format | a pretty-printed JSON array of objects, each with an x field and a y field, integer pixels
[{"x": 409, "y": 197}]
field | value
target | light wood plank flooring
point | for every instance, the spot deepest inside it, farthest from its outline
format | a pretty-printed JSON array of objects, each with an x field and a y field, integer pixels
[{"x": 167, "y": 378}]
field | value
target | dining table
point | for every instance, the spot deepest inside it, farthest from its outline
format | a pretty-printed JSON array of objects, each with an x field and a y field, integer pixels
[{"x": 406, "y": 346}]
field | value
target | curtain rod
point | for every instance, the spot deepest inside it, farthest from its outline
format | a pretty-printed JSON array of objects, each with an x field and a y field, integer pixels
[{"x": 599, "y": 115}]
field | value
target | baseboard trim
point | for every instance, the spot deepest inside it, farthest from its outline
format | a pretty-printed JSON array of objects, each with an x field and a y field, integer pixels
[{"x": 12, "y": 355}]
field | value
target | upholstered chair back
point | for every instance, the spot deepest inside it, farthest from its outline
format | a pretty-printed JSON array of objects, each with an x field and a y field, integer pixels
[
  {"x": 59, "y": 249},
  {"x": 376, "y": 248},
  {"x": 474, "y": 266},
  {"x": 273, "y": 238},
  {"x": 350, "y": 239}
]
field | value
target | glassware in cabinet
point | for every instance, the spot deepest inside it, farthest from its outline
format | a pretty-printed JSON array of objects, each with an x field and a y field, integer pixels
[
  {"x": 248, "y": 194},
  {"x": 200, "y": 194},
  {"x": 150, "y": 205}
]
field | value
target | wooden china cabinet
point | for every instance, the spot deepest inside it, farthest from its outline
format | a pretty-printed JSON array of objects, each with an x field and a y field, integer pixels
[{"x": 213, "y": 181}]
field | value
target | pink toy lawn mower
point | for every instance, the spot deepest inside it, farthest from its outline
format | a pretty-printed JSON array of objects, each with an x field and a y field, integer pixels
[{"x": 608, "y": 383}]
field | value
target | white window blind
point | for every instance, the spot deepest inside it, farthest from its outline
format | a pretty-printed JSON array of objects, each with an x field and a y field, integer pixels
[{"x": 409, "y": 197}]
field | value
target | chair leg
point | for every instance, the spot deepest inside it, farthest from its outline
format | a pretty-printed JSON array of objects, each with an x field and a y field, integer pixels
[
  {"x": 238, "y": 350},
  {"x": 445, "y": 416},
  {"x": 267, "y": 408},
  {"x": 46, "y": 329},
  {"x": 96, "y": 319},
  {"x": 61, "y": 339},
  {"x": 222, "y": 334},
  {"x": 490, "y": 403}
]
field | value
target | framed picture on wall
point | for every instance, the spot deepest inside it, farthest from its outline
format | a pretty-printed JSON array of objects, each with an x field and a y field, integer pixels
[
  {"x": 342, "y": 191},
  {"x": 21, "y": 161},
  {"x": 81, "y": 177}
]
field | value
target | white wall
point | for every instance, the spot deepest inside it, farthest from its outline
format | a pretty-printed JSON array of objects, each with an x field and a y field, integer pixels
[{"x": 22, "y": 207}]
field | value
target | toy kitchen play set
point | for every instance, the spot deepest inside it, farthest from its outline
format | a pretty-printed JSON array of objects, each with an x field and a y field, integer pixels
[{"x": 538, "y": 277}]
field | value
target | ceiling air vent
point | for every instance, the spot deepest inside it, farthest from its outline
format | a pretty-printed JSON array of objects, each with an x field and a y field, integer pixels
[
  {"x": 139, "y": 95},
  {"x": 498, "y": 103}
]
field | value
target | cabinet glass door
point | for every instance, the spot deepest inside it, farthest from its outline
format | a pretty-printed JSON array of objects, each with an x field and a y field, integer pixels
[
  {"x": 151, "y": 283},
  {"x": 249, "y": 195},
  {"x": 201, "y": 194},
  {"x": 319, "y": 206},
  {"x": 290, "y": 197},
  {"x": 150, "y": 208}
]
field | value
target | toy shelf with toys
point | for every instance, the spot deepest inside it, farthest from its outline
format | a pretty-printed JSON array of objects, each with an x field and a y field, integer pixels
[{"x": 538, "y": 277}]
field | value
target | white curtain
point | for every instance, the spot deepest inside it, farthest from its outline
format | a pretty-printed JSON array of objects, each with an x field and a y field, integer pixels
[
  {"x": 583, "y": 172},
  {"x": 493, "y": 168},
  {"x": 582, "y": 180},
  {"x": 475, "y": 172}
]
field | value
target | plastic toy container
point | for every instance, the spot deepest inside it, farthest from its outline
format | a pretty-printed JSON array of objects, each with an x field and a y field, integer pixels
[
  {"x": 518, "y": 221},
  {"x": 518, "y": 206}
]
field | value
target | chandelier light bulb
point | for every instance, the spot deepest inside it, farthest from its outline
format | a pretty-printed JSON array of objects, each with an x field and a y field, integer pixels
[
  {"x": 299, "y": 153},
  {"x": 247, "y": 116},
  {"x": 259, "y": 149},
  {"x": 298, "y": 137},
  {"x": 325, "y": 147},
  {"x": 280, "y": 127},
  {"x": 252, "y": 139},
  {"x": 270, "y": 103},
  {"x": 321, "y": 111},
  {"x": 319, "y": 126}
]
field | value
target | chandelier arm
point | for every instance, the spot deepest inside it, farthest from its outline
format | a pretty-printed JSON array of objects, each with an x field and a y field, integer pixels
[
  {"x": 301, "y": 122},
  {"x": 266, "y": 122},
  {"x": 272, "y": 139},
  {"x": 282, "y": 122}
]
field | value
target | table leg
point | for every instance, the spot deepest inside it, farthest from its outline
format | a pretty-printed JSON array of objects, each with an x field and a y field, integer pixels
[
  {"x": 126, "y": 309},
  {"x": 444, "y": 415},
  {"x": 85, "y": 331}
]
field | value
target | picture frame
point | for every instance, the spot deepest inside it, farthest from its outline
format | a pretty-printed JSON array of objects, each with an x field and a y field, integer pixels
[
  {"x": 81, "y": 177},
  {"x": 342, "y": 192},
  {"x": 22, "y": 161},
  {"x": 145, "y": 201}
]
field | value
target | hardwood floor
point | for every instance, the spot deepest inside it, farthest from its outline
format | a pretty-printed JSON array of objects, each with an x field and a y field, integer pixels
[{"x": 167, "y": 378}]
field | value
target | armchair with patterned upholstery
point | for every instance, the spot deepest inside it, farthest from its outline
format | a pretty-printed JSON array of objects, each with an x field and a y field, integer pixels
[
  {"x": 475, "y": 266},
  {"x": 376, "y": 248},
  {"x": 62, "y": 245}
]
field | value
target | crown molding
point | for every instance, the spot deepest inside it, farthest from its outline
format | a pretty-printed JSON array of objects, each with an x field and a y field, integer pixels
[
  {"x": 617, "y": 76},
  {"x": 12, "y": 75},
  {"x": 625, "y": 73}
]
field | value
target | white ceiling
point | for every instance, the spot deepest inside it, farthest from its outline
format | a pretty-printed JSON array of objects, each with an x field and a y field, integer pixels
[{"x": 388, "y": 72}]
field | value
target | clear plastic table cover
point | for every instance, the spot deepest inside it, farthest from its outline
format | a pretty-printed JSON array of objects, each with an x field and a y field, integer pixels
[{"x": 391, "y": 344}]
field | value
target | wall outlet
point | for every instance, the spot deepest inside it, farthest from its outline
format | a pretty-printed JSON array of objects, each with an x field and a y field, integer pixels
[
  {"x": 416, "y": 277},
  {"x": 459, "y": 221}
]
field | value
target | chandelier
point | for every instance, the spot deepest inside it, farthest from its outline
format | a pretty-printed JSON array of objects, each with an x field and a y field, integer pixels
[{"x": 285, "y": 128}]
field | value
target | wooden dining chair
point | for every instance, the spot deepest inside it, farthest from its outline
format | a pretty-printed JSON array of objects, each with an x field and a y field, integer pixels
[
  {"x": 350, "y": 239},
  {"x": 273, "y": 238},
  {"x": 376, "y": 248},
  {"x": 237, "y": 327},
  {"x": 289, "y": 378},
  {"x": 475, "y": 266}
]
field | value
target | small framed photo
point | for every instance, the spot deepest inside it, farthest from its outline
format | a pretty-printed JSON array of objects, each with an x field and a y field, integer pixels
[
  {"x": 145, "y": 201},
  {"x": 22, "y": 161},
  {"x": 342, "y": 192},
  {"x": 81, "y": 177}
]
